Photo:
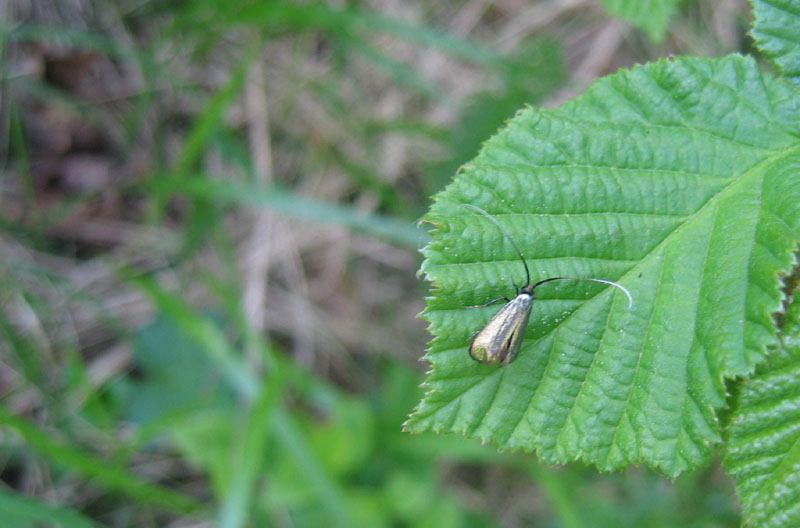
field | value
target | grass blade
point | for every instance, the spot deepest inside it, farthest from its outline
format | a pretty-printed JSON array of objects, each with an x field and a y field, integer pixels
[
  {"x": 103, "y": 472},
  {"x": 18, "y": 507},
  {"x": 394, "y": 230}
]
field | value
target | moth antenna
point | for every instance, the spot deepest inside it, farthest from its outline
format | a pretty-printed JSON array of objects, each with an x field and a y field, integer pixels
[
  {"x": 612, "y": 283},
  {"x": 505, "y": 233}
]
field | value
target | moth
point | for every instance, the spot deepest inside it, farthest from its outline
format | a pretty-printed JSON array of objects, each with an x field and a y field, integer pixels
[{"x": 499, "y": 341}]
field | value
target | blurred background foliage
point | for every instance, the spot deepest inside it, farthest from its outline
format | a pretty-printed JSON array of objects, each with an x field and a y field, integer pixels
[{"x": 208, "y": 237}]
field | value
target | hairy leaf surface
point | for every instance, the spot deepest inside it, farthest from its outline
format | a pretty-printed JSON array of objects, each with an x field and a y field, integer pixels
[{"x": 681, "y": 180}]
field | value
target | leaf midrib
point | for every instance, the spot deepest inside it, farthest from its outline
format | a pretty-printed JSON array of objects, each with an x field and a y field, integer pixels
[
  {"x": 681, "y": 226},
  {"x": 750, "y": 172}
]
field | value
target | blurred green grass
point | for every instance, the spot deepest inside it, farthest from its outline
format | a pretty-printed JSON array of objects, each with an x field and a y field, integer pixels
[{"x": 135, "y": 390}]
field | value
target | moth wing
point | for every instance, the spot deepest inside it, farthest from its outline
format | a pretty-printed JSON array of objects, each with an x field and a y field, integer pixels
[{"x": 501, "y": 338}]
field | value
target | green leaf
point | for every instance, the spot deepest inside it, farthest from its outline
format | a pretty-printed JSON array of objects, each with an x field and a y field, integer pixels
[
  {"x": 678, "y": 179},
  {"x": 295, "y": 205},
  {"x": 205, "y": 333},
  {"x": 162, "y": 349},
  {"x": 205, "y": 439},
  {"x": 776, "y": 29},
  {"x": 250, "y": 451},
  {"x": 21, "y": 511},
  {"x": 652, "y": 16},
  {"x": 763, "y": 437}
]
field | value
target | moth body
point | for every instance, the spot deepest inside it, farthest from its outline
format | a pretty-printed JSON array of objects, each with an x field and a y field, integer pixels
[{"x": 499, "y": 341}]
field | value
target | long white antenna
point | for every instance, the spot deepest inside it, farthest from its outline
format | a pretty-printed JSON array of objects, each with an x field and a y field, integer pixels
[{"x": 612, "y": 283}]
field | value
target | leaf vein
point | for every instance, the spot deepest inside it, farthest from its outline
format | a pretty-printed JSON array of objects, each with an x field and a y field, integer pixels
[
  {"x": 586, "y": 375},
  {"x": 637, "y": 368},
  {"x": 488, "y": 408},
  {"x": 785, "y": 7},
  {"x": 687, "y": 128},
  {"x": 736, "y": 96}
]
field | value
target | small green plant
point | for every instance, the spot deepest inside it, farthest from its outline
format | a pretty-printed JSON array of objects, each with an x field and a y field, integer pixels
[
  {"x": 652, "y": 16},
  {"x": 680, "y": 180}
]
